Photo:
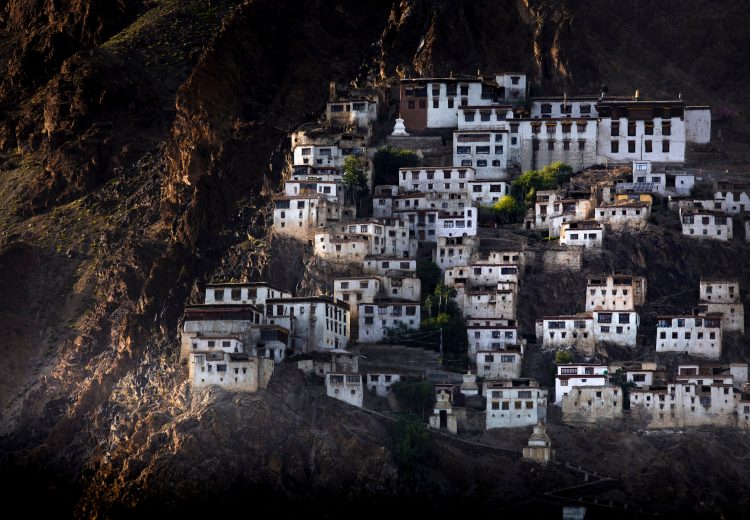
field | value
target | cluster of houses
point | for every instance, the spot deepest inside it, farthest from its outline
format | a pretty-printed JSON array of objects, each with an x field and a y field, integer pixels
[
  {"x": 494, "y": 131},
  {"x": 694, "y": 395}
]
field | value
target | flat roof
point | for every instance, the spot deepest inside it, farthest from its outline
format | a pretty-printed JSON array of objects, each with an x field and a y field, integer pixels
[
  {"x": 302, "y": 299},
  {"x": 245, "y": 284}
]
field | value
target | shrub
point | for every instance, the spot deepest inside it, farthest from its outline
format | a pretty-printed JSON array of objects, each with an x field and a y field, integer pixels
[{"x": 411, "y": 441}]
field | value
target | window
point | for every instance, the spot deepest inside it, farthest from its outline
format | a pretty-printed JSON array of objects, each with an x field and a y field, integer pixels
[
  {"x": 615, "y": 128},
  {"x": 581, "y": 145},
  {"x": 469, "y": 116},
  {"x": 615, "y": 147},
  {"x": 666, "y": 128},
  {"x": 218, "y": 295},
  {"x": 631, "y": 128},
  {"x": 435, "y": 103},
  {"x": 483, "y": 149},
  {"x": 566, "y": 145},
  {"x": 514, "y": 128},
  {"x": 450, "y": 102},
  {"x": 648, "y": 146},
  {"x": 422, "y": 103},
  {"x": 535, "y": 145},
  {"x": 550, "y": 145},
  {"x": 514, "y": 80},
  {"x": 498, "y": 149},
  {"x": 665, "y": 146},
  {"x": 410, "y": 103},
  {"x": 631, "y": 146},
  {"x": 464, "y": 90},
  {"x": 484, "y": 116},
  {"x": 481, "y": 163}
]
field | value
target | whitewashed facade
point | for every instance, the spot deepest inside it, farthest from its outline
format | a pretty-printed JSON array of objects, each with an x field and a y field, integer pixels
[
  {"x": 490, "y": 338},
  {"x": 375, "y": 319},
  {"x": 706, "y": 224},
  {"x": 577, "y": 375},
  {"x": 389, "y": 266},
  {"x": 500, "y": 364},
  {"x": 567, "y": 332},
  {"x": 615, "y": 292},
  {"x": 698, "y": 335},
  {"x": 514, "y": 403},
  {"x": 586, "y": 233},
  {"x": 345, "y": 387},
  {"x": 454, "y": 251},
  {"x": 380, "y": 384},
  {"x": 457, "y": 224},
  {"x": 315, "y": 322},
  {"x": 623, "y": 214},
  {"x": 233, "y": 372},
  {"x": 445, "y": 179}
]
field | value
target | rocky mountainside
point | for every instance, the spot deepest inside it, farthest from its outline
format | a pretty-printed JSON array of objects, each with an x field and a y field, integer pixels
[{"x": 138, "y": 140}]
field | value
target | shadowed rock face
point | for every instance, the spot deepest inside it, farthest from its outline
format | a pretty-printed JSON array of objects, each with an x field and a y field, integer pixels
[{"x": 136, "y": 141}]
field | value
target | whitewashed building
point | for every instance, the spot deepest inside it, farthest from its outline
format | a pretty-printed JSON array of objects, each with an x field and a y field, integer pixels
[
  {"x": 345, "y": 387},
  {"x": 633, "y": 130},
  {"x": 484, "y": 150},
  {"x": 698, "y": 335},
  {"x": 590, "y": 404},
  {"x": 436, "y": 102},
  {"x": 359, "y": 111},
  {"x": 733, "y": 202},
  {"x": 490, "y": 337},
  {"x": 615, "y": 292},
  {"x": 664, "y": 182},
  {"x": 234, "y": 372},
  {"x": 353, "y": 241},
  {"x": 623, "y": 214},
  {"x": 487, "y": 303},
  {"x": 488, "y": 192},
  {"x": 481, "y": 274},
  {"x": 209, "y": 322},
  {"x": 619, "y": 328},
  {"x": 721, "y": 295},
  {"x": 356, "y": 290},
  {"x": 390, "y": 266},
  {"x": 314, "y": 322},
  {"x": 586, "y": 233},
  {"x": 500, "y": 364},
  {"x": 457, "y": 224},
  {"x": 382, "y": 200},
  {"x": 698, "y": 396},
  {"x": 444, "y": 179},
  {"x": 380, "y": 384},
  {"x": 577, "y": 375},
  {"x": 316, "y": 155},
  {"x": 698, "y": 223},
  {"x": 255, "y": 293},
  {"x": 552, "y": 209},
  {"x": 514, "y": 403},
  {"x": 536, "y": 142},
  {"x": 377, "y": 318},
  {"x": 575, "y": 331},
  {"x": 559, "y": 107},
  {"x": 454, "y": 251}
]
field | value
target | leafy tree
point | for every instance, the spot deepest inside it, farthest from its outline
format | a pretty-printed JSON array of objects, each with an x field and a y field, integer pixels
[
  {"x": 507, "y": 209},
  {"x": 441, "y": 312},
  {"x": 549, "y": 177},
  {"x": 430, "y": 275},
  {"x": 620, "y": 378},
  {"x": 388, "y": 160},
  {"x": 354, "y": 180},
  {"x": 415, "y": 397},
  {"x": 412, "y": 442},
  {"x": 563, "y": 356}
]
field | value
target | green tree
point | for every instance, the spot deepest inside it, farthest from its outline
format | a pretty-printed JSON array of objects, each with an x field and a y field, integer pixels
[
  {"x": 354, "y": 180},
  {"x": 548, "y": 178},
  {"x": 388, "y": 160},
  {"x": 429, "y": 275},
  {"x": 412, "y": 442},
  {"x": 507, "y": 210},
  {"x": 562, "y": 357},
  {"x": 415, "y": 397}
]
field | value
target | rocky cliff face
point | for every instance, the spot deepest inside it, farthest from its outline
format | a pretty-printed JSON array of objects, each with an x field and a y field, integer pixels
[{"x": 136, "y": 143}]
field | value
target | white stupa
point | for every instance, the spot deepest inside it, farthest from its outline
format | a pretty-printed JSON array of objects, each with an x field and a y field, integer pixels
[{"x": 399, "y": 128}]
